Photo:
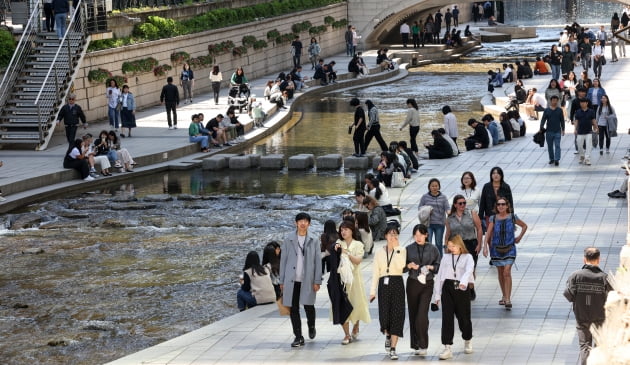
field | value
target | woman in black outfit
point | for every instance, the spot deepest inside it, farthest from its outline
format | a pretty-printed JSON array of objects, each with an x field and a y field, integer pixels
[
  {"x": 491, "y": 190},
  {"x": 360, "y": 126},
  {"x": 440, "y": 147},
  {"x": 423, "y": 262},
  {"x": 329, "y": 237}
]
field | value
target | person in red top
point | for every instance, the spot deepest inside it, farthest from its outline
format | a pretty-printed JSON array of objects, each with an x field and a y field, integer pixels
[{"x": 540, "y": 68}]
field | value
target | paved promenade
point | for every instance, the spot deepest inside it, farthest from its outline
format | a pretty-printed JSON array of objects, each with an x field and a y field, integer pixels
[{"x": 566, "y": 209}]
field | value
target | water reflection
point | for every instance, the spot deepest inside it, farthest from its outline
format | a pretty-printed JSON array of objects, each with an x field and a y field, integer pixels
[{"x": 553, "y": 12}]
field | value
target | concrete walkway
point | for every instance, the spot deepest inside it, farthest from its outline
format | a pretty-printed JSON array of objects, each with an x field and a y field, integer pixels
[{"x": 566, "y": 209}]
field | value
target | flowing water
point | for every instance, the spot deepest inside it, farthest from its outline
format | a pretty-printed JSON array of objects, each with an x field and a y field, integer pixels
[{"x": 93, "y": 277}]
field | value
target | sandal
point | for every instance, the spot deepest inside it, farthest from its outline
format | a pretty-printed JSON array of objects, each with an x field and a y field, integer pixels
[
  {"x": 346, "y": 340},
  {"x": 502, "y": 302},
  {"x": 508, "y": 305}
]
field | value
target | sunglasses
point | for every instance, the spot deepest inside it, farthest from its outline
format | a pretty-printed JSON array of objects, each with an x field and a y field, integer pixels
[
  {"x": 461, "y": 203},
  {"x": 499, "y": 204}
]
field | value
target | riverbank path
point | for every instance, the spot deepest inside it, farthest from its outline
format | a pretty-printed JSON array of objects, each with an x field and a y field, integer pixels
[{"x": 566, "y": 209}]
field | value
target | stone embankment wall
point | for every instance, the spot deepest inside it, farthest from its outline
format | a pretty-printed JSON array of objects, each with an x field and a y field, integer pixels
[
  {"x": 121, "y": 25},
  {"x": 256, "y": 63}
]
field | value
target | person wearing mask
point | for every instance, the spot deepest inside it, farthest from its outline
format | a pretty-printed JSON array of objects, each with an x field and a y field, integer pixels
[
  {"x": 300, "y": 276},
  {"x": 451, "y": 291},
  {"x": 387, "y": 281},
  {"x": 587, "y": 290},
  {"x": 423, "y": 262}
]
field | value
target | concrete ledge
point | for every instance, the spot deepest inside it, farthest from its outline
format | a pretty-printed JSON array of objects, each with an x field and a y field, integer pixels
[
  {"x": 301, "y": 162},
  {"x": 332, "y": 161},
  {"x": 356, "y": 163},
  {"x": 254, "y": 160},
  {"x": 272, "y": 162}
]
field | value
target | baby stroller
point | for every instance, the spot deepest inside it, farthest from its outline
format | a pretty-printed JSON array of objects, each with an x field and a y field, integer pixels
[{"x": 238, "y": 97}]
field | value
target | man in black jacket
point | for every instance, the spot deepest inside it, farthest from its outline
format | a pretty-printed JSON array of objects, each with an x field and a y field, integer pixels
[
  {"x": 71, "y": 113},
  {"x": 587, "y": 289},
  {"x": 170, "y": 98}
]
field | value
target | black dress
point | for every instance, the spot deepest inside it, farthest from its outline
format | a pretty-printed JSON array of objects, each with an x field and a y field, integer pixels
[{"x": 341, "y": 307}]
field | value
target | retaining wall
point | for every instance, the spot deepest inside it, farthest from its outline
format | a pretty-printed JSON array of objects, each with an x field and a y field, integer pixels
[{"x": 257, "y": 63}]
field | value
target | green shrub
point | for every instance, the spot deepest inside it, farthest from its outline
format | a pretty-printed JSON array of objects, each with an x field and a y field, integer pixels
[
  {"x": 120, "y": 80},
  {"x": 285, "y": 38},
  {"x": 99, "y": 75},
  {"x": 7, "y": 47},
  {"x": 340, "y": 24},
  {"x": 273, "y": 34},
  {"x": 179, "y": 57},
  {"x": 249, "y": 40},
  {"x": 139, "y": 66},
  {"x": 239, "y": 51},
  {"x": 161, "y": 70},
  {"x": 301, "y": 27},
  {"x": 220, "y": 48},
  {"x": 317, "y": 30},
  {"x": 329, "y": 20},
  {"x": 201, "y": 61},
  {"x": 260, "y": 44}
]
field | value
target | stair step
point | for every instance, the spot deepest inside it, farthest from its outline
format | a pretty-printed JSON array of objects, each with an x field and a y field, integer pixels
[{"x": 18, "y": 124}]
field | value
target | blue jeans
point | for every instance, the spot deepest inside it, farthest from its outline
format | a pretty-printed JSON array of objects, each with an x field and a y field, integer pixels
[
  {"x": 555, "y": 72},
  {"x": 199, "y": 139},
  {"x": 114, "y": 116},
  {"x": 438, "y": 231},
  {"x": 553, "y": 142},
  {"x": 60, "y": 24},
  {"x": 349, "y": 49},
  {"x": 245, "y": 299}
]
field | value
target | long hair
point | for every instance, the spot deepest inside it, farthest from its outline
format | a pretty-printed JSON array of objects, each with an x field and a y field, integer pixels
[
  {"x": 454, "y": 205},
  {"x": 473, "y": 184},
  {"x": 377, "y": 189},
  {"x": 413, "y": 103},
  {"x": 330, "y": 231},
  {"x": 499, "y": 171},
  {"x": 270, "y": 257},
  {"x": 457, "y": 241},
  {"x": 369, "y": 104},
  {"x": 362, "y": 221},
  {"x": 611, "y": 110},
  {"x": 508, "y": 208},
  {"x": 252, "y": 261},
  {"x": 215, "y": 69}
]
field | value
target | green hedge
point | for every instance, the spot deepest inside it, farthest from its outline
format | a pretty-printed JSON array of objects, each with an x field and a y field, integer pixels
[
  {"x": 158, "y": 28},
  {"x": 7, "y": 47}
]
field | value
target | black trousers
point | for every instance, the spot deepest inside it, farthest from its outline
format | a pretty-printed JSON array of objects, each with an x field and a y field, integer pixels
[
  {"x": 50, "y": 17},
  {"x": 71, "y": 133},
  {"x": 216, "y": 87},
  {"x": 455, "y": 303},
  {"x": 171, "y": 107},
  {"x": 471, "y": 246},
  {"x": 375, "y": 132},
  {"x": 296, "y": 322},
  {"x": 419, "y": 300},
  {"x": 585, "y": 339},
  {"x": 413, "y": 133},
  {"x": 416, "y": 40},
  {"x": 359, "y": 140},
  {"x": 79, "y": 165}
]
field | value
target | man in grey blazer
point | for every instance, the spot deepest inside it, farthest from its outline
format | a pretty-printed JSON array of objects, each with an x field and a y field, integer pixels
[{"x": 300, "y": 276}]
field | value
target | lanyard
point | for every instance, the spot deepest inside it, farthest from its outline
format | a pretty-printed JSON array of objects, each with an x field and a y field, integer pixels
[
  {"x": 455, "y": 263},
  {"x": 389, "y": 258},
  {"x": 421, "y": 257}
]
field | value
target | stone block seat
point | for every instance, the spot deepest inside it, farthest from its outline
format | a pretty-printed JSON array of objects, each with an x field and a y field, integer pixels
[
  {"x": 272, "y": 162},
  {"x": 356, "y": 163},
  {"x": 217, "y": 162},
  {"x": 240, "y": 162},
  {"x": 302, "y": 161},
  {"x": 331, "y": 161}
]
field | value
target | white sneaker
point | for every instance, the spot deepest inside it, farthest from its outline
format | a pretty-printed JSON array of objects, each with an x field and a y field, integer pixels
[
  {"x": 89, "y": 178},
  {"x": 446, "y": 353},
  {"x": 421, "y": 352},
  {"x": 393, "y": 355},
  {"x": 170, "y": 127},
  {"x": 468, "y": 347},
  {"x": 587, "y": 162},
  {"x": 2, "y": 198}
]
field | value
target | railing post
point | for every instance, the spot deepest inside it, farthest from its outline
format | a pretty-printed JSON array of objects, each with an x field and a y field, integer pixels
[{"x": 57, "y": 82}]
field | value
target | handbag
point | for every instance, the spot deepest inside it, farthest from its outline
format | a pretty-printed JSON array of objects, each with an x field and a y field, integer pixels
[
  {"x": 283, "y": 309},
  {"x": 398, "y": 179},
  {"x": 119, "y": 106},
  {"x": 503, "y": 249},
  {"x": 603, "y": 60}
]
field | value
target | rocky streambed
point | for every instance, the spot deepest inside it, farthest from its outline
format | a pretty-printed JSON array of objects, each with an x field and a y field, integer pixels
[{"x": 90, "y": 279}]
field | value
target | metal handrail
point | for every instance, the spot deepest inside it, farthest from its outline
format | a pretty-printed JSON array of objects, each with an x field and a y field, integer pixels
[
  {"x": 19, "y": 56},
  {"x": 53, "y": 63}
]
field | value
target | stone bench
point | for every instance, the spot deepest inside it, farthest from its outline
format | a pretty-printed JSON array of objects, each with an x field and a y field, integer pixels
[
  {"x": 301, "y": 162},
  {"x": 240, "y": 162},
  {"x": 356, "y": 163},
  {"x": 331, "y": 161},
  {"x": 272, "y": 162}
]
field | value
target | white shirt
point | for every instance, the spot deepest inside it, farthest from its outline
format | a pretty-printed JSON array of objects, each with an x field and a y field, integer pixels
[
  {"x": 450, "y": 125},
  {"x": 404, "y": 28},
  {"x": 540, "y": 100},
  {"x": 112, "y": 99},
  {"x": 464, "y": 266},
  {"x": 597, "y": 51}
]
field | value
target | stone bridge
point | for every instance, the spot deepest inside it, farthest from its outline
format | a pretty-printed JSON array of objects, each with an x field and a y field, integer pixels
[{"x": 377, "y": 20}]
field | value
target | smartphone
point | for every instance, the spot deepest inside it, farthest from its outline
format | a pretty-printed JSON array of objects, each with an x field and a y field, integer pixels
[{"x": 371, "y": 300}]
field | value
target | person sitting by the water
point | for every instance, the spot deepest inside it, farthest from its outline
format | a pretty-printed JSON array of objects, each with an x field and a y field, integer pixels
[
  {"x": 403, "y": 159},
  {"x": 194, "y": 134},
  {"x": 320, "y": 74},
  {"x": 364, "y": 69},
  {"x": 353, "y": 67},
  {"x": 457, "y": 38},
  {"x": 507, "y": 73},
  {"x": 330, "y": 72},
  {"x": 88, "y": 150},
  {"x": 75, "y": 159},
  {"x": 479, "y": 139},
  {"x": 217, "y": 130},
  {"x": 528, "y": 73},
  {"x": 387, "y": 166},
  {"x": 495, "y": 128},
  {"x": 492, "y": 21},
  {"x": 535, "y": 103},
  {"x": 384, "y": 61},
  {"x": 231, "y": 122},
  {"x": 122, "y": 154},
  {"x": 450, "y": 141},
  {"x": 402, "y": 147},
  {"x": 359, "y": 196},
  {"x": 467, "y": 32},
  {"x": 440, "y": 147},
  {"x": 540, "y": 68},
  {"x": 256, "y": 285},
  {"x": 494, "y": 80},
  {"x": 288, "y": 85}
]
